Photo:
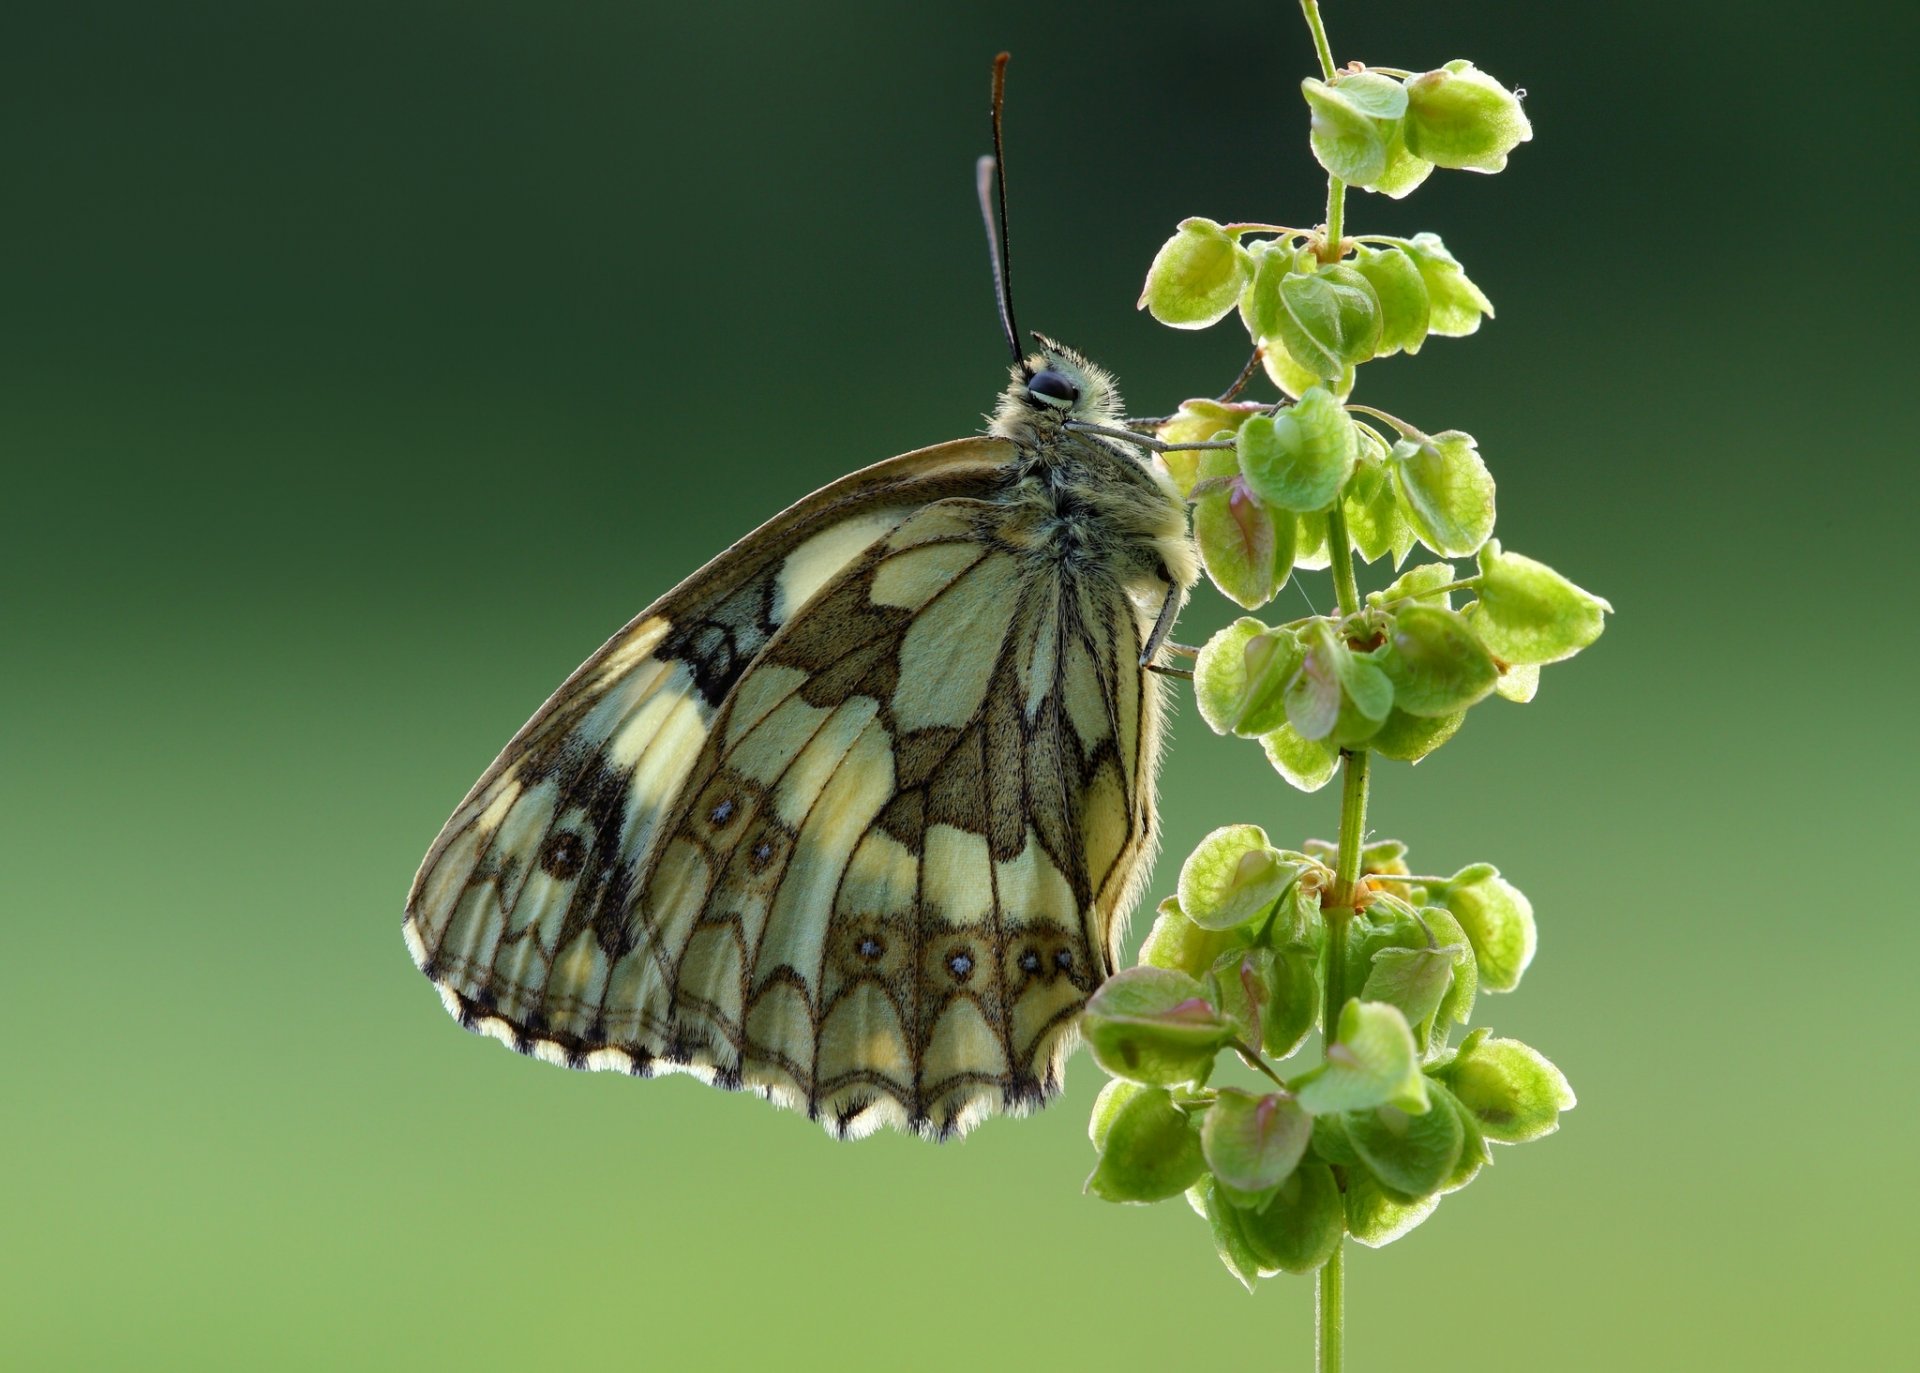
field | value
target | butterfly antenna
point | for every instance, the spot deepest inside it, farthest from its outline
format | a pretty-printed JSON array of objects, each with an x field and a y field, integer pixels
[{"x": 990, "y": 174}]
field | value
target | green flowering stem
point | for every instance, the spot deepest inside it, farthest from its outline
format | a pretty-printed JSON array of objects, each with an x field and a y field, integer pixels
[
  {"x": 1331, "y": 1332},
  {"x": 1336, "y": 188},
  {"x": 1340, "y": 549},
  {"x": 1353, "y": 828},
  {"x": 1331, "y": 1283},
  {"x": 1311, "y": 9},
  {"x": 1330, "y": 251}
]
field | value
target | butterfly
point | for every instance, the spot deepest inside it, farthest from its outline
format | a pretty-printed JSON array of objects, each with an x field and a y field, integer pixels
[{"x": 854, "y": 816}]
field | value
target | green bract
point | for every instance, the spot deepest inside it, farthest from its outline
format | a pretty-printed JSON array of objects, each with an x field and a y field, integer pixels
[
  {"x": 1528, "y": 613},
  {"x": 1176, "y": 942},
  {"x": 1197, "y": 276},
  {"x": 1117, "y": 1093},
  {"x": 1232, "y": 877},
  {"x": 1402, "y": 293},
  {"x": 1295, "y": 380},
  {"x": 1308, "y": 764},
  {"x": 1498, "y": 919},
  {"x": 1372, "y": 1063},
  {"x": 1454, "y": 304},
  {"x": 1247, "y": 551},
  {"x": 1293, "y": 1000},
  {"x": 1149, "y": 1150},
  {"x": 1328, "y": 319},
  {"x": 1154, "y": 1025},
  {"x": 1458, "y": 116},
  {"x": 1337, "y": 694},
  {"x": 1422, "y": 585},
  {"x": 1296, "y": 1232},
  {"x": 1354, "y": 122},
  {"x": 1435, "y": 663},
  {"x": 1300, "y": 458},
  {"x": 1446, "y": 491},
  {"x": 1512, "y": 1091},
  {"x": 1376, "y": 1215},
  {"x": 1253, "y": 1143},
  {"x": 1413, "y": 981},
  {"x": 1270, "y": 660},
  {"x": 1404, "y": 170},
  {"x": 1409, "y": 738},
  {"x": 1375, "y": 522},
  {"x": 1414, "y": 1155}
]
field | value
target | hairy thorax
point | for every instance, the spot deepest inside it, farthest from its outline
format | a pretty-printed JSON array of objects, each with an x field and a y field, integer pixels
[{"x": 1094, "y": 510}]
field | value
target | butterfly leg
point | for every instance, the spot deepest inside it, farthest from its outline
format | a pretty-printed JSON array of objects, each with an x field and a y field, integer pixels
[{"x": 1163, "y": 626}]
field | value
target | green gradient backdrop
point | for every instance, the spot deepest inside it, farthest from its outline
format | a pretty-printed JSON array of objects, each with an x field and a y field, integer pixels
[{"x": 362, "y": 366}]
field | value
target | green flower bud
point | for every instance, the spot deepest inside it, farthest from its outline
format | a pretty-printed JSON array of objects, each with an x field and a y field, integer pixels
[
  {"x": 1197, "y": 276},
  {"x": 1458, "y": 116}
]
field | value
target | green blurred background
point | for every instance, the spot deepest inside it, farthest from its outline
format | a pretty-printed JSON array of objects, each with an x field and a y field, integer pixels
[{"x": 362, "y": 366}]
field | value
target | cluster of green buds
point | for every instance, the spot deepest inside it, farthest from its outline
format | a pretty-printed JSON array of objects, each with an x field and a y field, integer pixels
[
  {"x": 1262, "y": 943},
  {"x": 1364, "y": 1143}
]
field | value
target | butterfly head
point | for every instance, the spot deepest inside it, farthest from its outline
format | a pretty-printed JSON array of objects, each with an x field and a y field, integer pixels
[{"x": 1051, "y": 387}]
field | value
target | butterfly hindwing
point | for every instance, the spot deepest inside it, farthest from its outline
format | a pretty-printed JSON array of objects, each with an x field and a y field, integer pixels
[{"x": 893, "y": 881}]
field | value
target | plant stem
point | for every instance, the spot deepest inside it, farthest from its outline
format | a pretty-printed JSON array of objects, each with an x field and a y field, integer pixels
[
  {"x": 1336, "y": 204},
  {"x": 1340, "y": 549},
  {"x": 1332, "y": 1327},
  {"x": 1332, "y": 1280},
  {"x": 1337, "y": 911},
  {"x": 1311, "y": 9},
  {"x": 1353, "y": 829}
]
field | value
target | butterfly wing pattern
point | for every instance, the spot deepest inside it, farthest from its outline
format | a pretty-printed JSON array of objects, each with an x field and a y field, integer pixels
[{"x": 852, "y": 817}]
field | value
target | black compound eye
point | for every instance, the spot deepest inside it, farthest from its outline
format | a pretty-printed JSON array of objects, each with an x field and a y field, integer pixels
[{"x": 1053, "y": 388}]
